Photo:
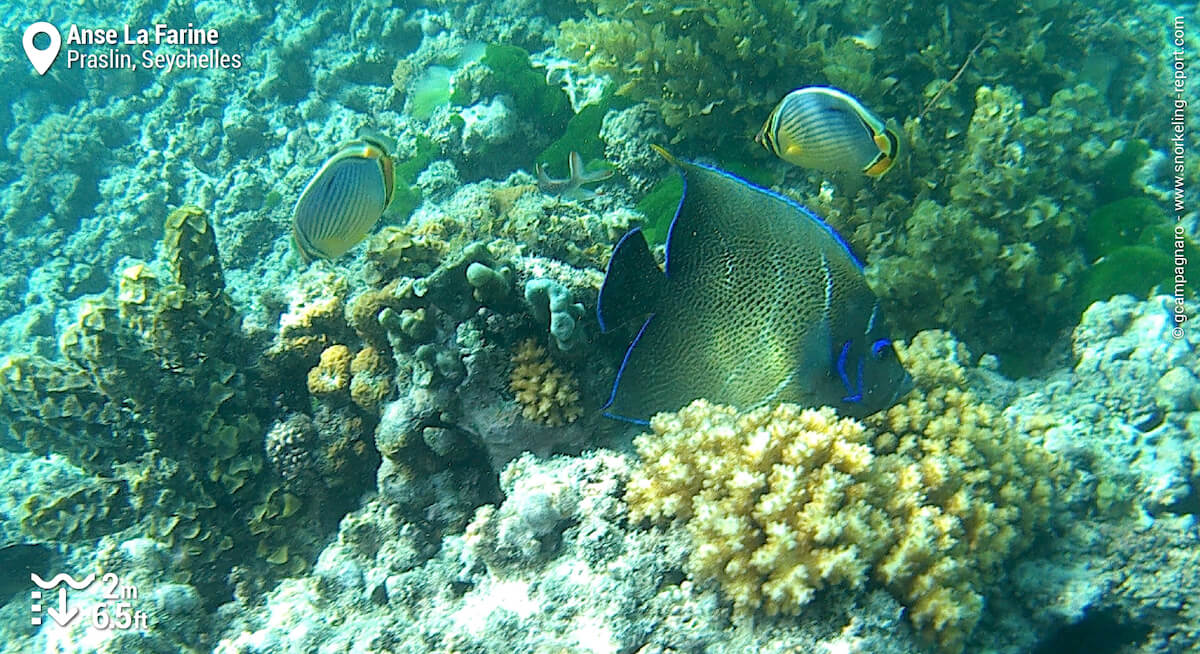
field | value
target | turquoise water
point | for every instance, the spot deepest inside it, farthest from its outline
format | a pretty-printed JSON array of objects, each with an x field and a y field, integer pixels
[{"x": 404, "y": 448}]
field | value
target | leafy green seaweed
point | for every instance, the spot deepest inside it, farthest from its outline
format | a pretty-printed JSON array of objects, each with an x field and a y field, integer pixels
[
  {"x": 532, "y": 95},
  {"x": 1129, "y": 270},
  {"x": 658, "y": 206},
  {"x": 431, "y": 91},
  {"x": 407, "y": 196},
  {"x": 1119, "y": 223},
  {"x": 582, "y": 134},
  {"x": 1130, "y": 244}
]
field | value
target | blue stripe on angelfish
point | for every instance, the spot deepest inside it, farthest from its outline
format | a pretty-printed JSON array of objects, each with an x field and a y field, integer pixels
[
  {"x": 617, "y": 382},
  {"x": 879, "y": 346},
  {"x": 855, "y": 393}
]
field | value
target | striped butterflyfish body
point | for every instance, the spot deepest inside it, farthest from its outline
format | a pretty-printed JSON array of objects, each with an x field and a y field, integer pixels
[
  {"x": 344, "y": 200},
  {"x": 827, "y": 129}
]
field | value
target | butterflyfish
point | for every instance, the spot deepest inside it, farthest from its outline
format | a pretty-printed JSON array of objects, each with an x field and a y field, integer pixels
[
  {"x": 823, "y": 128},
  {"x": 344, "y": 200},
  {"x": 760, "y": 302}
]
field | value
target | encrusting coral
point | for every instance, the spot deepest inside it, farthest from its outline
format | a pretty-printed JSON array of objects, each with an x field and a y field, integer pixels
[
  {"x": 546, "y": 393},
  {"x": 364, "y": 376},
  {"x": 927, "y": 499},
  {"x": 370, "y": 380},
  {"x": 332, "y": 374}
]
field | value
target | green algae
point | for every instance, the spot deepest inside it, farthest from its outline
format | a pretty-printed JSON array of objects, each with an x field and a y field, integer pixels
[
  {"x": 1130, "y": 244},
  {"x": 513, "y": 74},
  {"x": 582, "y": 133},
  {"x": 1120, "y": 223},
  {"x": 406, "y": 196},
  {"x": 1116, "y": 177},
  {"x": 1129, "y": 270},
  {"x": 658, "y": 206},
  {"x": 434, "y": 89}
]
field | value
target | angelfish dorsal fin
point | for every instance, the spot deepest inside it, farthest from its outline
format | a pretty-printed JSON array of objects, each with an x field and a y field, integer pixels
[{"x": 633, "y": 283}]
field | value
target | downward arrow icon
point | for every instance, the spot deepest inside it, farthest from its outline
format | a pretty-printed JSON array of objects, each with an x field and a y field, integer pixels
[{"x": 62, "y": 616}]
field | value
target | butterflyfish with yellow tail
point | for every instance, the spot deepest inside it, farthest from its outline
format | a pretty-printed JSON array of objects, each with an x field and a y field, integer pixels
[
  {"x": 761, "y": 302},
  {"x": 345, "y": 199},
  {"x": 827, "y": 129}
]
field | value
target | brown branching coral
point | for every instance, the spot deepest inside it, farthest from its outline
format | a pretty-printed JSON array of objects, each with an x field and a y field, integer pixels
[{"x": 546, "y": 393}]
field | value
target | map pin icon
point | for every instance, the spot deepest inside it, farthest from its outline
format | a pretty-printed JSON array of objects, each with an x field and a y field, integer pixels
[{"x": 41, "y": 59}]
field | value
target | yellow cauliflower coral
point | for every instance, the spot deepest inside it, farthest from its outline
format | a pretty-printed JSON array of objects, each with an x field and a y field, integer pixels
[
  {"x": 545, "y": 392},
  {"x": 777, "y": 500},
  {"x": 928, "y": 499}
]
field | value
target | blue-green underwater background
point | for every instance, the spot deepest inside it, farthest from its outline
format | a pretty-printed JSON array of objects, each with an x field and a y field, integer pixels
[{"x": 402, "y": 450}]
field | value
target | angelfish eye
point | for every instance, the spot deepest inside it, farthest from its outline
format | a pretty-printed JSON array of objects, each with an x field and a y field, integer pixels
[{"x": 879, "y": 347}]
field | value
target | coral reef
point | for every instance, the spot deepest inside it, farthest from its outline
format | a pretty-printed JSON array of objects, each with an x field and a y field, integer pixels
[
  {"x": 712, "y": 71},
  {"x": 552, "y": 304},
  {"x": 1010, "y": 222},
  {"x": 157, "y": 421},
  {"x": 1129, "y": 406},
  {"x": 157, "y": 372},
  {"x": 332, "y": 374},
  {"x": 290, "y": 446},
  {"x": 681, "y": 60},
  {"x": 551, "y": 568},
  {"x": 506, "y": 103},
  {"x": 928, "y": 500},
  {"x": 492, "y": 287},
  {"x": 370, "y": 381},
  {"x": 627, "y": 135},
  {"x": 363, "y": 377},
  {"x": 529, "y": 524},
  {"x": 980, "y": 228},
  {"x": 545, "y": 392}
]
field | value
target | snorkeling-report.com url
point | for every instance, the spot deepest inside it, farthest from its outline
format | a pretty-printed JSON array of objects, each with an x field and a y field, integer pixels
[{"x": 1178, "y": 149}]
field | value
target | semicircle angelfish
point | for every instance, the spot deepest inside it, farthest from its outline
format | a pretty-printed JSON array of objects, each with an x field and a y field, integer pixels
[{"x": 761, "y": 302}]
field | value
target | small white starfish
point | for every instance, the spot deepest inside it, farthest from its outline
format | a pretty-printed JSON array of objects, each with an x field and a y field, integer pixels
[{"x": 572, "y": 186}]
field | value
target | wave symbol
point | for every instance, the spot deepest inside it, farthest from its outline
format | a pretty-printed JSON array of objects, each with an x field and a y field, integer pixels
[{"x": 62, "y": 578}]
